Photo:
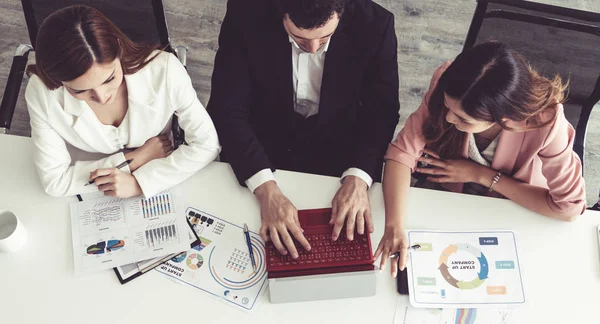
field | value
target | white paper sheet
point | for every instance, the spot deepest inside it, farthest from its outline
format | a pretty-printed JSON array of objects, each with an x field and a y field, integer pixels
[
  {"x": 406, "y": 314},
  {"x": 469, "y": 269},
  {"x": 110, "y": 232},
  {"x": 220, "y": 265},
  {"x": 128, "y": 270}
]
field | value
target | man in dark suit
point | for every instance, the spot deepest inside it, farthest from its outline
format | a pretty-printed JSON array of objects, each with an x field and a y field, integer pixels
[{"x": 309, "y": 86}]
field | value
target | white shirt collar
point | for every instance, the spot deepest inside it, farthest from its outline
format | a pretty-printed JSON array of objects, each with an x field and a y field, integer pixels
[{"x": 320, "y": 51}]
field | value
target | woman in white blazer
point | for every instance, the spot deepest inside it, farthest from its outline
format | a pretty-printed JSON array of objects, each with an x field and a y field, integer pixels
[{"x": 94, "y": 89}]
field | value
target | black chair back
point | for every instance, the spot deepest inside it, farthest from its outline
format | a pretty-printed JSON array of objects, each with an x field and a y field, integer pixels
[
  {"x": 141, "y": 20},
  {"x": 554, "y": 40}
]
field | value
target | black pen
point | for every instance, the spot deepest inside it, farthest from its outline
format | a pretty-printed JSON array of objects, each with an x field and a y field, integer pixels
[
  {"x": 412, "y": 248},
  {"x": 120, "y": 166}
]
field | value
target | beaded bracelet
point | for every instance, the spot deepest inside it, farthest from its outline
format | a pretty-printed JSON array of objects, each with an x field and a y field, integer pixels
[{"x": 495, "y": 180}]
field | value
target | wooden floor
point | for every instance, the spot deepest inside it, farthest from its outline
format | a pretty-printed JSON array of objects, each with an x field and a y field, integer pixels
[{"x": 429, "y": 32}]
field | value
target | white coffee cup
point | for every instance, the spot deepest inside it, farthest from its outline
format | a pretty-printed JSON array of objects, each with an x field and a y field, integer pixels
[{"x": 12, "y": 232}]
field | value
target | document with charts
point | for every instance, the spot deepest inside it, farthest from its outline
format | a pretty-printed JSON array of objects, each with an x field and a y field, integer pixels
[
  {"x": 411, "y": 315},
  {"x": 220, "y": 265},
  {"x": 469, "y": 269},
  {"x": 110, "y": 232}
]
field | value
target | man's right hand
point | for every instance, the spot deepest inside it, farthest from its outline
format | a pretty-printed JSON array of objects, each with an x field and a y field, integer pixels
[{"x": 279, "y": 219}]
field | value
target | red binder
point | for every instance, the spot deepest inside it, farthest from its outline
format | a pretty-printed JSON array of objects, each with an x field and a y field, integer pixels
[{"x": 326, "y": 255}]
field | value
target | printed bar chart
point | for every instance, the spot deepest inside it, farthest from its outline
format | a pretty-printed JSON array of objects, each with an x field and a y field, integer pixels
[
  {"x": 161, "y": 235},
  {"x": 157, "y": 206}
]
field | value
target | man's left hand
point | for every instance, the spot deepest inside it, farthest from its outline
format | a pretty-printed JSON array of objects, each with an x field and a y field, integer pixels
[{"x": 351, "y": 206}]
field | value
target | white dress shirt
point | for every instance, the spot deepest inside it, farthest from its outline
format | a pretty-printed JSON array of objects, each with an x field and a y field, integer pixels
[
  {"x": 307, "y": 77},
  {"x": 156, "y": 92}
]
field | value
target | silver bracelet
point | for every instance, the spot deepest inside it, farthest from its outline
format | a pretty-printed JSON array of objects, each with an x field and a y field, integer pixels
[{"x": 495, "y": 180}]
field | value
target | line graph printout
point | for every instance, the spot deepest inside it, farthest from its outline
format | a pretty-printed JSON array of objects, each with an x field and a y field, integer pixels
[{"x": 109, "y": 232}]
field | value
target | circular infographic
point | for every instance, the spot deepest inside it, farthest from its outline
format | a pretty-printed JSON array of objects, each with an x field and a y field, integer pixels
[
  {"x": 194, "y": 261},
  {"x": 450, "y": 269},
  {"x": 230, "y": 265}
]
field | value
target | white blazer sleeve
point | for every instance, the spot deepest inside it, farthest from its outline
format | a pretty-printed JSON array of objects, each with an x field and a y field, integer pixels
[
  {"x": 52, "y": 159},
  {"x": 200, "y": 135}
]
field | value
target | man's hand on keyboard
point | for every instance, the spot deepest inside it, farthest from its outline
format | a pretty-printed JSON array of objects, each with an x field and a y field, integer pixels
[
  {"x": 351, "y": 206},
  {"x": 279, "y": 219},
  {"x": 394, "y": 240}
]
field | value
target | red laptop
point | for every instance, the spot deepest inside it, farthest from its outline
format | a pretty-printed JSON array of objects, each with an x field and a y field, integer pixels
[{"x": 326, "y": 255}]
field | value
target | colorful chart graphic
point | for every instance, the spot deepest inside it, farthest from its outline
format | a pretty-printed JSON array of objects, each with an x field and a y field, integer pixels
[
  {"x": 234, "y": 266},
  {"x": 464, "y": 270},
  {"x": 179, "y": 258},
  {"x": 194, "y": 261},
  {"x": 97, "y": 248},
  {"x": 156, "y": 236},
  {"x": 204, "y": 242},
  {"x": 197, "y": 218},
  {"x": 483, "y": 266},
  {"x": 157, "y": 206},
  {"x": 114, "y": 245},
  {"x": 466, "y": 316},
  {"x": 199, "y": 224},
  {"x": 101, "y": 247},
  {"x": 220, "y": 265}
]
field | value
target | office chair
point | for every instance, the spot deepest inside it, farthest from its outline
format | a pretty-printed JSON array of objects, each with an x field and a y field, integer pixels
[
  {"x": 554, "y": 40},
  {"x": 143, "y": 21}
]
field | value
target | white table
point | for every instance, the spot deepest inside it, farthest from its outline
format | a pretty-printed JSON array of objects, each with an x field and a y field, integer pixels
[{"x": 37, "y": 285}]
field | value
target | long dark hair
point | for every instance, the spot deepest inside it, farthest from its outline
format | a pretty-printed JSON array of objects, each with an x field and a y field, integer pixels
[
  {"x": 72, "y": 39},
  {"x": 493, "y": 83}
]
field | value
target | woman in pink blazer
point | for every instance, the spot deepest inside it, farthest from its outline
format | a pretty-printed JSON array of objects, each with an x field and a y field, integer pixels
[{"x": 488, "y": 125}]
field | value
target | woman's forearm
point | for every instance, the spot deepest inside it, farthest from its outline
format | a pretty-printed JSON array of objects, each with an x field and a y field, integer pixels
[
  {"x": 396, "y": 181},
  {"x": 529, "y": 196}
]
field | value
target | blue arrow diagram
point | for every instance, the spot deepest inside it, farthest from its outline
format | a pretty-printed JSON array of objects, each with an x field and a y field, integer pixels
[{"x": 483, "y": 271}]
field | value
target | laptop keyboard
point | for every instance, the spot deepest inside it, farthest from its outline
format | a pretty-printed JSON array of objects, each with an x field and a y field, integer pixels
[{"x": 325, "y": 252}]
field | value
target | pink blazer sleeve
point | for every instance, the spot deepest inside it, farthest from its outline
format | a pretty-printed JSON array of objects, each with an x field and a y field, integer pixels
[
  {"x": 562, "y": 169},
  {"x": 409, "y": 144}
]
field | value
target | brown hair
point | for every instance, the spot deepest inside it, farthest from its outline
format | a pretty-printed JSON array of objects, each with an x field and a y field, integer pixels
[
  {"x": 493, "y": 83},
  {"x": 72, "y": 39}
]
